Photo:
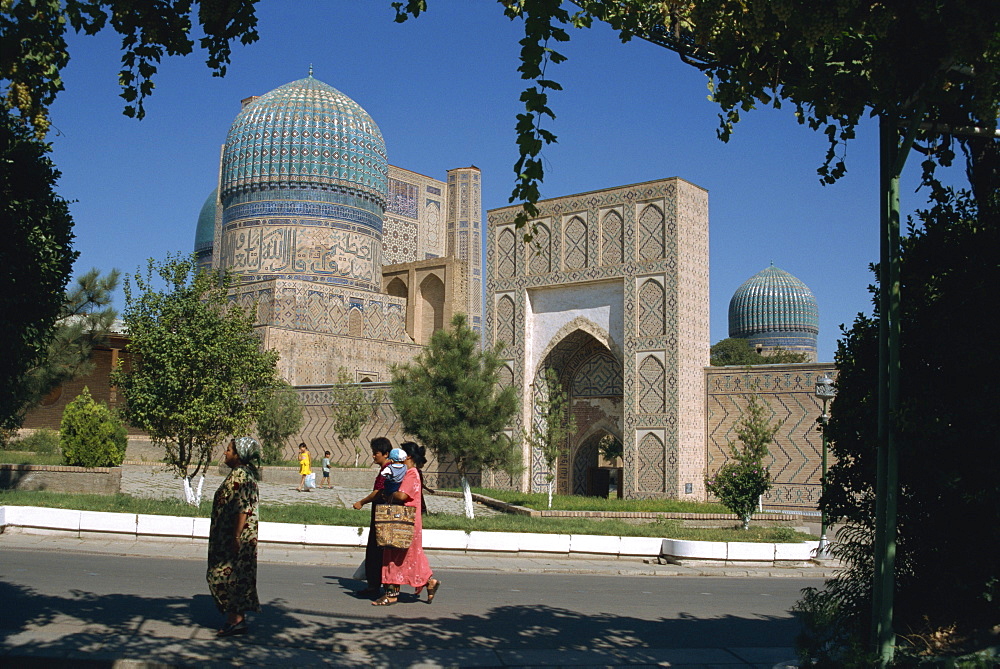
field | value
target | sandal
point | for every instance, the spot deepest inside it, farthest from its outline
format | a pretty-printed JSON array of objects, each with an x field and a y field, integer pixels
[
  {"x": 233, "y": 629},
  {"x": 432, "y": 589},
  {"x": 384, "y": 600}
]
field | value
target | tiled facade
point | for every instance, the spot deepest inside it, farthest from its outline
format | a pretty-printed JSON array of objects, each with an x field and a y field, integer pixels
[
  {"x": 796, "y": 454},
  {"x": 612, "y": 293}
]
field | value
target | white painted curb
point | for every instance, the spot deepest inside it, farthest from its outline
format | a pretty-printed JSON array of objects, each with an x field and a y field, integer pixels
[{"x": 81, "y": 523}]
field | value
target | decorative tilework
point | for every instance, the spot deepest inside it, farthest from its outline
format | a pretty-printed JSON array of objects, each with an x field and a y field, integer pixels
[
  {"x": 507, "y": 252},
  {"x": 576, "y": 244},
  {"x": 541, "y": 251},
  {"x": 651, "y": 469},
  {"x": 304, "y": 133},
  {"x": 651, "y": 308},
  {"x": 402, "y": 199},
  {"x": 651, "y": 242},
  {"x": 505, "y": 322},
  {"x": 611, "y": 238},
  {"x": 600, "y": 375},
  {"x": 651, "y": 386}
]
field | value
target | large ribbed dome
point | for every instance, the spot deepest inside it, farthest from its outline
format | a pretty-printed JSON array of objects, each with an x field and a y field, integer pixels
[
  {"x": 305, "y": 134},
  {"x": 774, "y": 309}
]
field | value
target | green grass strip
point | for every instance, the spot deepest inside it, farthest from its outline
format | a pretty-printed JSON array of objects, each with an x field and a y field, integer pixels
[
  {"x": 316, "y": 514},
  {"x": 540, "y": 502}
]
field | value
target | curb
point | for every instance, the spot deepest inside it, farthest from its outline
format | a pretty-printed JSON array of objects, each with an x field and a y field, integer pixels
[{"x": 83, "y": 524}]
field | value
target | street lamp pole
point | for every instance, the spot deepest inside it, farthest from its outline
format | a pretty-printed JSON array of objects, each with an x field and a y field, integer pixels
[{"x": 825, "y": 391}]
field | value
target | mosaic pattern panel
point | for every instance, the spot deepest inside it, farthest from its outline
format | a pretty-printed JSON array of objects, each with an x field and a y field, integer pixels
[
  {"x": 541, "y": 251},
  {"x": 599, "y": 376},
  {"x": 651, "y": 309},
  {"x": 506, "y": 254},
  {"x": 505, "y": 322},
  {"x": 399, "y": 241},
  {"x": 796, "y": 455},
  {"x": 651, "y": 473},
  {"x": 612, "y": 239},
  {"x": 651, "y": 386},
  {"x": 651, "y": 240},
  {"x": 576, "y": 244}
]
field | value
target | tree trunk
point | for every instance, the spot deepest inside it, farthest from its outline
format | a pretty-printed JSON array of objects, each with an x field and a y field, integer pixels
[
  {"x": 746, "y": 522},
  {"x": 550, "y": 494},
  {"x": 191, "y": 495},
  {"x": 467, "y": 494}
]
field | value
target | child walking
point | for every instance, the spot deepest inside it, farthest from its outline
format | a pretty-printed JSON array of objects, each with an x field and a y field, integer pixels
[
  {"x": 305, "y": 466},
  {"x": 326, "y": 470}
]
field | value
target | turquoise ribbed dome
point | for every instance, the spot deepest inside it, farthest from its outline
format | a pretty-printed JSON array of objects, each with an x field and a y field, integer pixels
[
  {"x": 773, "y": 302},
  {"x": 305, "y": 135},
  {"x": 204, "y": 236}
]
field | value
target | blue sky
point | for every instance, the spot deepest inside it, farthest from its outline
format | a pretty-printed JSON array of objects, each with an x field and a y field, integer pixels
[{"x": 444, "y": 90}]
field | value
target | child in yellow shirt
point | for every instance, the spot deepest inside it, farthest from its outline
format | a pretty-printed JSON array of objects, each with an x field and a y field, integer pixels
[{"x": 305, "y": 466}]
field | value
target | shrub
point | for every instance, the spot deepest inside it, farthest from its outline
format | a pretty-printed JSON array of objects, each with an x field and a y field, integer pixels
[
  {"x": 44, "y": 442},
  {"x": 92, "y": 435}
]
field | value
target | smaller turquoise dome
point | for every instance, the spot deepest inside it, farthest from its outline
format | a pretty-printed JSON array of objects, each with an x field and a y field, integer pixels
[
  {"x": 774, "y": 309},
  {"x": 204, "y": 236}
]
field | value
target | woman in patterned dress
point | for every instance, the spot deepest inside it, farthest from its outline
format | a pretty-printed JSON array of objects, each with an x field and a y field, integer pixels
[
  {"x": 232, "y": 539},
  {"x": 407, "y": 566}
]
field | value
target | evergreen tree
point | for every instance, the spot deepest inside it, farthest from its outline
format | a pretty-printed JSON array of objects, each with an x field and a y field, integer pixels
[
  {"x": 449, "y": 399},
  {"x": 281, "y": 418},
  {"x": 552, "y": 424},
  {"x": 198, "y": 373}
]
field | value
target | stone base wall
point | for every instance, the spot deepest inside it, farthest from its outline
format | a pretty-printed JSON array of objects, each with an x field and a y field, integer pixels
[{"x": 57, "y": 478}]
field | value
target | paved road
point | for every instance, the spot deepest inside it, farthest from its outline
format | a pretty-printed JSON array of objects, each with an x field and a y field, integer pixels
[{"x": 103, "y": 607}]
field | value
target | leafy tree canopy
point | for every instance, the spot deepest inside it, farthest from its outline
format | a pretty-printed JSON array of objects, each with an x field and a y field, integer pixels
[
  {"x": 35, "y": 261},
  {"x": 735, "y": 351},
  {"x": 949, "y": 475},
  {"x": 833, "y": 62},
  {"x": 34, "y": 50},
  {"x": 280, "y": 419},
  {"x": 198, "y": 373}
]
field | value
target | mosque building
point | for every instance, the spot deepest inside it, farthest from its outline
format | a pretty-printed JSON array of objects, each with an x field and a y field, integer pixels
[
  {"x": 351, "y": 262},
  {"x": 773, "y": 309}
]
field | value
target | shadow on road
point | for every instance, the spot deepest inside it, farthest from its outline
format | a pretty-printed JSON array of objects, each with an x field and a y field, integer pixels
[{"x": 178, "y": 629}]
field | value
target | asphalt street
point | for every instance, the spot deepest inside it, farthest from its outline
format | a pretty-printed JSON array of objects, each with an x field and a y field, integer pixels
[{"x": 62, "y": 603}]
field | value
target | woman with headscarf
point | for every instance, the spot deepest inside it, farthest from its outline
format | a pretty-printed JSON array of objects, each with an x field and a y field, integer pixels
[
  {"x": 232, "y": 539},
  {"x": 407, "y": 566}
]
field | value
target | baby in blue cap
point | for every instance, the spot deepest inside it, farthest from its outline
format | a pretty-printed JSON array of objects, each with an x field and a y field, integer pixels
[{"x": 392, "y": 473}]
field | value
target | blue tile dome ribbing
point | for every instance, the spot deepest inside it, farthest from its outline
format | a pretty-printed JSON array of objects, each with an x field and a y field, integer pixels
[
  {"x": 305, "y": 135},
  {"x": 773, "y": 301},
  {"x": 204, "y": 236}
]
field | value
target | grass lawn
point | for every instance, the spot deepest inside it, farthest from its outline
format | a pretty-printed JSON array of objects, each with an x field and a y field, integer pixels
[
  {"x": 30, "y": 458},
  {"x": 316, "y": 514},
  {"x": 540, "y": 502}
]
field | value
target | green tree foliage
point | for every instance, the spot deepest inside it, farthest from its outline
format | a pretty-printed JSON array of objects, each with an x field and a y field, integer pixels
[
  {"x": 949, "y": 475},
  {"x": 449, "y": 399},
  {"x": 36, "y": 259},
  {"x": 351, "y": 409},
  {"x": 281, "y": 418},
  {"x": 741, "y": 481},
  {"x": 835, "y": 63},
  {"x": 34, "y": 53},
  {"x": 91, "y": 435},
  {"x": 198, "y": 373},
  {"x": 611, "y": 448},
  {"x": 84, "y": 322},
  {"x": 552, "y": 424},
  {"x": 735, "y": 351}
]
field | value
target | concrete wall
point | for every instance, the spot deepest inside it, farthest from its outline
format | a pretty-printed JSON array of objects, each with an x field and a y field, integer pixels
[{"x": 56, "y": 478}]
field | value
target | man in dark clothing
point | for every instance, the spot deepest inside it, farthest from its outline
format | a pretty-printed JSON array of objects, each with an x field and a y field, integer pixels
[{"x": 373, "y": 552}]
